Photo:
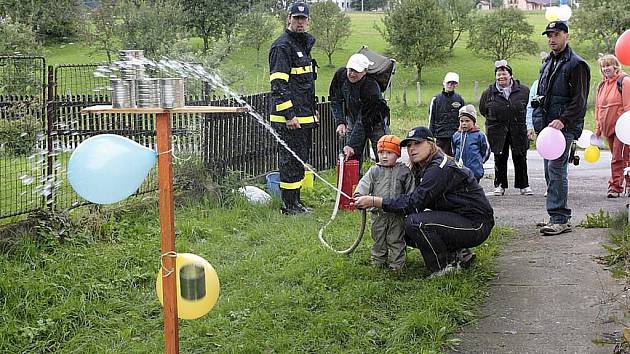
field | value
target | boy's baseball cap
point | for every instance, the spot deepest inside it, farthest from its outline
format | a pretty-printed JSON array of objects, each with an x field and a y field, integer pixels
[
  {"x": 418, "y": 134},
  {"x": 389, "y": 143},
  {"x": 451, "y": 77},
  {"x": 358, "y": 63},
  {"x": 469, "y": 111},
  {"x": 299, "y": 9},
  {"x": 556, "y": 26}
]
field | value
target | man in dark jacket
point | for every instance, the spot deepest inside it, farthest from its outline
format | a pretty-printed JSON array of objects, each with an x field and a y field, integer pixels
[
  {"x": 366, "y": 115},
  {"x": 504, "y": 104},
  {"x": 444, "y": 113},
  {"x": 293, "y": 111},
  {"x": 561, "y": 101}
]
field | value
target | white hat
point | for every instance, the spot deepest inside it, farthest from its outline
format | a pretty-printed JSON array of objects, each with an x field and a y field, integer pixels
[
  {"x": 358, "y": 62},
  {"x": 451, "y": 77}
]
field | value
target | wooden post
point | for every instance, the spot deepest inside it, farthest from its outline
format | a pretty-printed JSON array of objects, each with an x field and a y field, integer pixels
[
  {"x": 167, "y": 231},
  {"x": 167, "y": 214}
]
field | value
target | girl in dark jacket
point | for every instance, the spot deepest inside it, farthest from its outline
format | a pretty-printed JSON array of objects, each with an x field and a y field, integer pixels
[
  {"x": 446, "y": 213},
  {"x": 504, "y": 105}
]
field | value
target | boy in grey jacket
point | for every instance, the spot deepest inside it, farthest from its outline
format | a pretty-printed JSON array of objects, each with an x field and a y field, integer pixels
[{"x": 387, "y": 179}]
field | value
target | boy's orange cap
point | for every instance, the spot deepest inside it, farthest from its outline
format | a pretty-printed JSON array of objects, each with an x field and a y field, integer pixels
[{"x": 389, "y": 143}]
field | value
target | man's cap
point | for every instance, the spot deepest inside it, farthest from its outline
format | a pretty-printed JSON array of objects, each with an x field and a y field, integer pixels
[
  {"x": 502, "y": 64},
  {"x": 299, "y": 9},
  {"x": 418, "y": 134},
  {"x": 358, "y": 62},
  {"x": 468, "y": 111},
  {"x": 451, "y": 77},
  {"x": 389, "y": 143},
  {"x": 556, "y": 26}
]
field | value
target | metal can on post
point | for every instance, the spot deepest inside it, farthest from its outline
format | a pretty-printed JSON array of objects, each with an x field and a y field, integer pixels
[
  {"x": 172, "y": 93},
  {"x": 148, "y": 93},
  {"x": 123, "y": 93}
]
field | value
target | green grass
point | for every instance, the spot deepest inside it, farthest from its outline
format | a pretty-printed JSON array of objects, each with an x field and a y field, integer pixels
[{"x": 281, "y": 290}]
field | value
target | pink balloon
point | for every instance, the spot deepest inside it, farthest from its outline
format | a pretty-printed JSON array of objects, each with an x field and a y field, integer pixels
[
  {"x": 550, "y": 143},
  {"x": 622, "y": 48}
]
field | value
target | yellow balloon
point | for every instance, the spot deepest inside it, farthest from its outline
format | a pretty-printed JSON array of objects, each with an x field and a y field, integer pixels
[
  {"x": 551, "y": 14},
  {"x": 591, "y": 154},
  {"x": 197, "y": 286}
]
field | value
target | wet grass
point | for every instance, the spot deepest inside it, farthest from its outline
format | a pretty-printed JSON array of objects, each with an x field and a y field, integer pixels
[{"x": 281, "y": 290}]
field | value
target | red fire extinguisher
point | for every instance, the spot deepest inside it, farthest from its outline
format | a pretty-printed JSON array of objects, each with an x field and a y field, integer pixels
[{"x": 349, "y": 181}]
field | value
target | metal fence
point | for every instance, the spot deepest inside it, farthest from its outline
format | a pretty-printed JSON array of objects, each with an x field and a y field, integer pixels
[{"x": 34, "y": 179}]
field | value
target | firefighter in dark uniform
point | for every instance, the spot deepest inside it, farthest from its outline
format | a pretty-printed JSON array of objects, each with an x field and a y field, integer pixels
[{"x": 293, "y": 108}]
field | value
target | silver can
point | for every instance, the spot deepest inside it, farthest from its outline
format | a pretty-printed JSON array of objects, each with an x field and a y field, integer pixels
[
  {"x": 148, "y": 93},
  {"x": 172, "y": 93},
  {"x": 123, "y": 93}
]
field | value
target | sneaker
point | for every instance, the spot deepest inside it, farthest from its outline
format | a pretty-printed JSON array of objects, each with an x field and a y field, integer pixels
[
  {"x": 465, "y": 258},
  {"x": 555, "y": 229},
  {"x": 499, "y": 191},
  {"x": 448, "y": 269},
  {"x": 613, "y": 194},
  {"x": 527, "y": 191},
  {"x": 545, "y": 194}
]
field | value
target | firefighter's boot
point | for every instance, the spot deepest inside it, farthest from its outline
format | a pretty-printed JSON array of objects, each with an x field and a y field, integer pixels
[{"x": 290, "y": 202}]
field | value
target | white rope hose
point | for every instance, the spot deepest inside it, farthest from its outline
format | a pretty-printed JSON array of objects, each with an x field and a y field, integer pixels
[{"x": 320, "y": 234}]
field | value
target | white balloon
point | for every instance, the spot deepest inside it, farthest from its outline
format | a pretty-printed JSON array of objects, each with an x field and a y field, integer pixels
[
  {"x": 585, "y": 139},
  {"x": 622, "y": 128},
  {"x": 564, "y": 12}
]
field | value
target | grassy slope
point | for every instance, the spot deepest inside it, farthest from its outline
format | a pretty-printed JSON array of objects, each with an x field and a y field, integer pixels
[{"x": 281, "y": 291}]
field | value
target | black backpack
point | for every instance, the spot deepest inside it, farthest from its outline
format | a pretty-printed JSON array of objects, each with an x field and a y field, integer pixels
[
  {"x": 619, "y": 83},
  {"x": 383, "y": 68}
]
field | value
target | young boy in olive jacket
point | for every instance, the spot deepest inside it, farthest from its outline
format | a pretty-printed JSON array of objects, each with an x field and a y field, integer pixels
[{"x": 388, "y": 178}]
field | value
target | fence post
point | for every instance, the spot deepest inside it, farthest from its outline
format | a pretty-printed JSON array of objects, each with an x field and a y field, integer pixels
[
  {"x": 51, "y": 118},
  {"x": 418, "y": 97}
]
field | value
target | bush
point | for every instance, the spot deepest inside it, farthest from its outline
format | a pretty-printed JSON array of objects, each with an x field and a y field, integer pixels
[{"x": 18, "y": 137}]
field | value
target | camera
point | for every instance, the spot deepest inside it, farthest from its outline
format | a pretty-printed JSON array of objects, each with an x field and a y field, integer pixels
[
  {"x": 537, "y": 101},
  {"x": 573, "y": 157}
]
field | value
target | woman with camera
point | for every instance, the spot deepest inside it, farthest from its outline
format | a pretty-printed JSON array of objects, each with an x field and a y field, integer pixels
[
  {"x": 613, "y": 98},
  {"x": 504, "y": 104}
]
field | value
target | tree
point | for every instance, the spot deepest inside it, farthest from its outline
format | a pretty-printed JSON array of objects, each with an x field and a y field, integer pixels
[
  {"x": 150, "y": 25},
  {"x": 17, "y": 75},
  {"x": 17, "y": 38},
  {"x": 417, "y": 32},
  {"x": 599, "y": 23},
  {"x": 99, "y": 28},
  {"x": 458, "y": 14},
  {"x": 213, "y": 19},
  {"x": 257, "y": 28},
  {"x": 502, "y": 34},
  {"x": 57, "y": 19},
  {"x": 329, "y": 26}
]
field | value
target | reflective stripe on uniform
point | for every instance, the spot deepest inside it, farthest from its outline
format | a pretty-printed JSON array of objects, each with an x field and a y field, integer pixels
[
  {"x": 279, "y": 75},
  {"x": 302, "y": 70},
  {"x": 284, "y": 105},
  {"x": 301, "y": 120},
  {"x": 289, "y": 185}
]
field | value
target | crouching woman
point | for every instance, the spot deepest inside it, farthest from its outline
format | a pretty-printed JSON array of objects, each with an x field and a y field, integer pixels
[{"x": 446, "y": 213}]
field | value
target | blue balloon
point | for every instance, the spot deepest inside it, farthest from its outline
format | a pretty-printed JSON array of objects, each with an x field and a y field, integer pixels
[{"x": 108, "y": 168}]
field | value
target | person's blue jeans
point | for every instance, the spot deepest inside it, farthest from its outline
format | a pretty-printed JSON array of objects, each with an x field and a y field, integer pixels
[{"x": 557, "y": 177}]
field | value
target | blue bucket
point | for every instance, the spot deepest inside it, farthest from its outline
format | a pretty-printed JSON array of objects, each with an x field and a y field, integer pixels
[{"x": 273, "y": 184}]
